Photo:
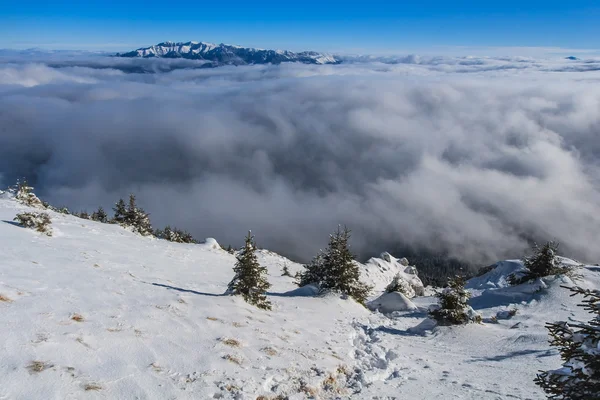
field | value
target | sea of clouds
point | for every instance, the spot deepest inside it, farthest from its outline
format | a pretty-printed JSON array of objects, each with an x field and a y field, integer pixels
[{"x": 471, "y": 157}]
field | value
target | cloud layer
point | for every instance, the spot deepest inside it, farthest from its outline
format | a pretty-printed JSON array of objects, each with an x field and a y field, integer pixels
[{"x": 469, "y": 156}]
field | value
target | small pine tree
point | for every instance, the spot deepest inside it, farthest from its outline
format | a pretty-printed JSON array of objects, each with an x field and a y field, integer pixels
[
  {"x": 132, "y": 216},
  {"x": 24, "y": 195},
  {"x": 100, "y": 215},
  {"x": 120, "y": 212},
  {"x": 175, "y": 235},
  {"x": 335, "y": 269},
  {"x": 542, "y": 263},
  {"x": 250, "y": 278},
  {"x": 579, "y": 347},
  {"x": 84, "y": 215},
  {"x": 285, "y": 271},
  {"x": 453, "y": 308},
  {"x": 137, "y": 218}
]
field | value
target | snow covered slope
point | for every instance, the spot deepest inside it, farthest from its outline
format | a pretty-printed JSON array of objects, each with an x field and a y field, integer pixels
[
  {"x": 99, "y": 312},
  {"x": 224, "y": 54}
]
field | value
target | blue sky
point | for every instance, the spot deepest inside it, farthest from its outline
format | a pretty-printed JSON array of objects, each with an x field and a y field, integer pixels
[{"x": 374, "y": 26}]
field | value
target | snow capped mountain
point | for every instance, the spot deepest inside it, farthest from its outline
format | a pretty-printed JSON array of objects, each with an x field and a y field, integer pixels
[{"x": 224, "y": 54}]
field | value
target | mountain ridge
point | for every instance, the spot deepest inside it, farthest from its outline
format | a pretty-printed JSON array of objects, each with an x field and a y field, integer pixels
[{"x": 226, "y": 54}]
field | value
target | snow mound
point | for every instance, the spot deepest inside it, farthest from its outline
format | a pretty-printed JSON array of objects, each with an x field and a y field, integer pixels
[
  {"x": 211, "y": 243},
  {"x": 390, "y": 302},
  {"x": 497, "y": 277},
  {"x": 304, "y": 291},
  {"x": 379, "y": 272}
]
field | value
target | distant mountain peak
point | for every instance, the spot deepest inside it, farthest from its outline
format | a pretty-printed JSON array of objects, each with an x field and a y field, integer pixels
[{"x": 226, "y": 54}]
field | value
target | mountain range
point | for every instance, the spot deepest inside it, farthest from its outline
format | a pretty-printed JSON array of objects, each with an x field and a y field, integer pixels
[{"x": 224, "y": 54}]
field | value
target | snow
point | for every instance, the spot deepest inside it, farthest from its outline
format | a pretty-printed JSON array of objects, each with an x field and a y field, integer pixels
[
  {"x": 155, "y": 325},
  {"x": 390, "y": 302}
]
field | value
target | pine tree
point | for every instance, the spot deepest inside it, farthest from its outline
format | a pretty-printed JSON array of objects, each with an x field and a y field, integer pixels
[
  {"x": 285, "y": 271},
  {"x": 453, "y": 308},
  {"x": 542, "y": 263},
  {"x": 137, "y": 218},
  {"x": 250, "y": 278},
  {"x": 120, "y": 212},
  {"x": 24, "y": 195},
  {"x": 100, "y": 215},
  {"x": 132, "y": 216},
  {"x": 84, "y": 215},
  {"x": 335, "y": 269},
  {"x": 175, "y": 235},
  {"x": 579, "y": 347}
]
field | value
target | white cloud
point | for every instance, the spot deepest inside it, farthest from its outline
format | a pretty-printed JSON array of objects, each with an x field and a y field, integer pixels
[{"x": 468, "y": 155}]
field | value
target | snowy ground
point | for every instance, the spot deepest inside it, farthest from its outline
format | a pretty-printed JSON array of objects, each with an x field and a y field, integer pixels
[{"x": 110, "y": 314}]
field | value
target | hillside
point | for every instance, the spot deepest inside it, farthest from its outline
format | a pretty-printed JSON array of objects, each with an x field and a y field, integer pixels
[{"x": 111, "y": 314}]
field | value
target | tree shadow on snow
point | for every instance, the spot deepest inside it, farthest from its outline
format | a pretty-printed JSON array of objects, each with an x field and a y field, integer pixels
[
  {"x": 502, "y": 357},
  {"x": 189, "y": 290},
  {"x": 13, "y": 223}
]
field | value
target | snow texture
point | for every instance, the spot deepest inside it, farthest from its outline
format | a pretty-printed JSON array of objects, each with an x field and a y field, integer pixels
[{"x": 98, "y": 311}]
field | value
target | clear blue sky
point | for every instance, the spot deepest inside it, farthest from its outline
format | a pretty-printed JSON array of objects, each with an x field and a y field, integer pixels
[{"x": 326, "y": 25}]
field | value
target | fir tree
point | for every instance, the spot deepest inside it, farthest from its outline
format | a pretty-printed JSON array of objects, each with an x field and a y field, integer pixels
[
  {"x": 132, "y": 216},
  {"x": 250, "y": 278},
  {"x": 100, "y": 215},
  {"x": 453, "y": 308},
  {"x": 579, "y": 347},
  {"x": 335, "y": 269},
  {"x": 175, "y": 235},
  {"x": 137, "y": 218},
  {"x": 542, "y": 263},
  {"x": 84, "y": 215},
  {"x": 24, "y": 195},
  {"x": 285, "y": 271},
  {"x": 120, "y": 212}
]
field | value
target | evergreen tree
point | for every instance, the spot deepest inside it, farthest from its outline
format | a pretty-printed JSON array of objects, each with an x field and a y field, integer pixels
[
  {"x": 132, "y": 216},
  {"x": 24, "y": 195},
  {"x": 542, "y": 263},
  {"x": 579, "y": 347},
  {"x": 285, "y": 271},
  {"x": 100, "y": 215},
  {"x": 137, "y": 218},
  {"x": 84, "y": 215},
  {"x": 175, "y": 235},
  {"x": 335, "y": 269},
  {"x": 250, "y": 278},
  {"x": 453, "y": 308},
  {"x": 120, "y": 212}
]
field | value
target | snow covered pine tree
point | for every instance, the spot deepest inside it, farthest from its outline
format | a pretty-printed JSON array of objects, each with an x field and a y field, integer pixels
[
  {"x": 24, "y": 195},
  {"x": 132, "y": 216},
  {"x": 335, "y": 269},
  {"x": 579, "y": 347},
  {"x": 100, "y": 215},
  {"x": 250, "y": 278},
  {"x": 453, "y": 308},
  {"x": 542, "y": 263}
]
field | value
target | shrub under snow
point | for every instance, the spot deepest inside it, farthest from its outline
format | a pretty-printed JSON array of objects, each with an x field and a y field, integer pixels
[{"x": 38, "y": 221}]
